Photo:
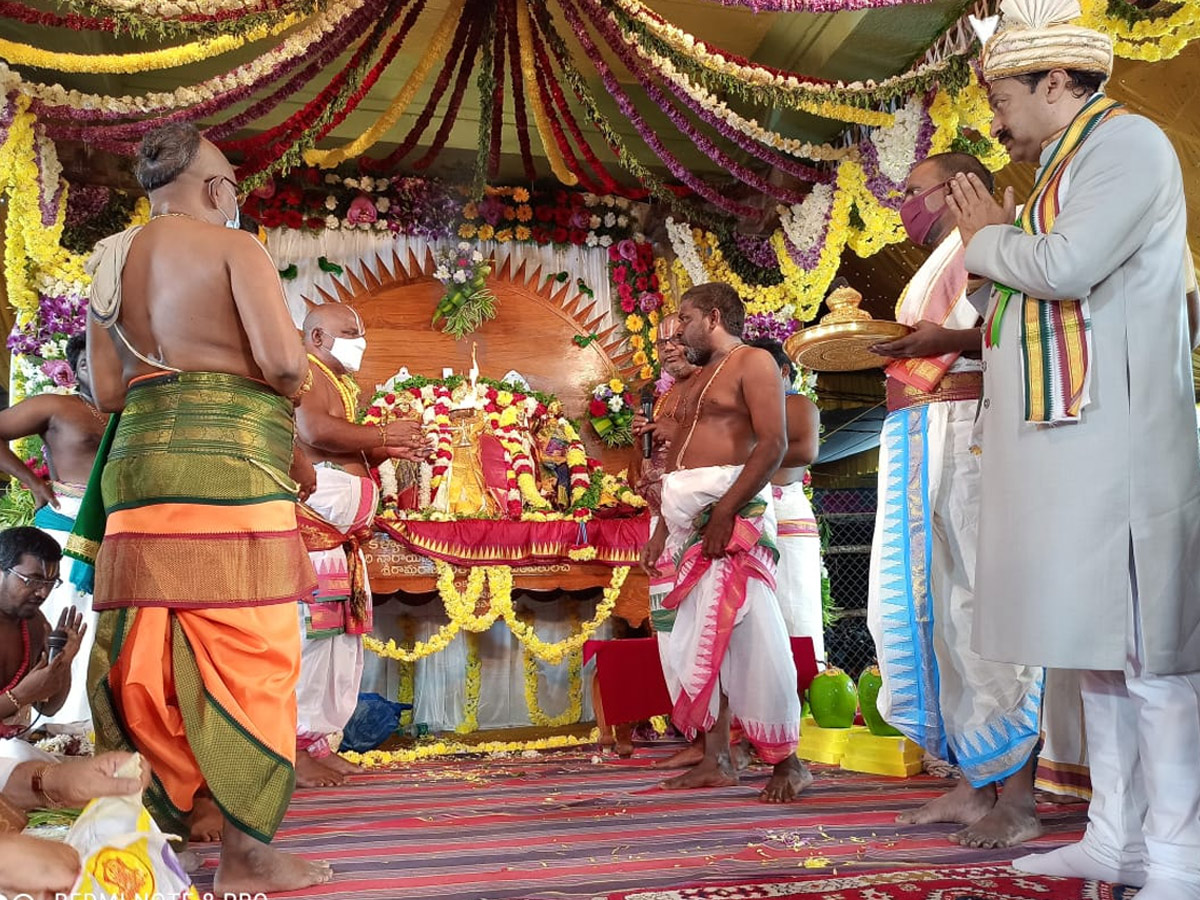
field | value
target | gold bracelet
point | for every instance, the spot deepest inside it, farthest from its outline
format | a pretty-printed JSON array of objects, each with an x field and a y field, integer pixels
[
  {"x": 12, "y": 698},
  {"x": 382, "y": 434},
  {"x": 38, "y": 783},
  {"x": 305, "y": 387}
]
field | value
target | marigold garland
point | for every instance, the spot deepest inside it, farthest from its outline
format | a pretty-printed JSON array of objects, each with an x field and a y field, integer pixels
[
  {"x": 574, "y": 708},
  {"x": 147, "y": 61},
  {"x": 382, "y": 759},
  {"x": 460, "y": 609},
  {"x": 471, "y": 686}
]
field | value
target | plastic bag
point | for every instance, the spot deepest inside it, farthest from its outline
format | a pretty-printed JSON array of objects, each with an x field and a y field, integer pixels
[
  {"x": 374, "y": 721},
  {"x": 125, "y": 855}
]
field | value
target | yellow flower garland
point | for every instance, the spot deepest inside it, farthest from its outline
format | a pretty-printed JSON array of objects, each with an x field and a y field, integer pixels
[
  {"x": 150, "y": 60},
  {"x": 574, "y": 709},
  {"x": 541, "y": 121},
  {"x": 470, "y": 720},
  {"x": 460, "y": 609},
  {"x": 382, "y": 759},
  {"x": 1150, "y": 39}
]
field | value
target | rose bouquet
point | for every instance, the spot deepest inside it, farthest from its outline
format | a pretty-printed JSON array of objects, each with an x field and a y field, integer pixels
[{"x": 611, "y": 410}]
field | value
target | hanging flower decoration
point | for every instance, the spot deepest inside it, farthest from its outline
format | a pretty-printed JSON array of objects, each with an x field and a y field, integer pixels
[
  {"x": 611, "y": 410},
  {"x": 468, "y": 302}
]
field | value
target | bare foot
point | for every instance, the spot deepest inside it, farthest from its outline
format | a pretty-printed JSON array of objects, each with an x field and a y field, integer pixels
[
  {"x": 335, "y": 763},
  {"x": 310, "y": 773},
  {"x": 788, "y": 781},
  {"x": 712, "y": 772},
  {"x": 1007, "y": 825},
  {"x": 623, "y": 735},
  {"x": 689, "y": 756},
  {"x": 250, "y": 867},
  {"x": 963, "y": 805},
  {"x": 206, "y": 821}
]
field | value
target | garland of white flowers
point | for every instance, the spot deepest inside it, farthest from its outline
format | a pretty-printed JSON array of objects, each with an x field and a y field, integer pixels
[
  {"x": 806, "y": 223},
  {"x": 748, "y": 127},
  {"x": 897, "y": 145},
  {"x": 684, "y": 245}
]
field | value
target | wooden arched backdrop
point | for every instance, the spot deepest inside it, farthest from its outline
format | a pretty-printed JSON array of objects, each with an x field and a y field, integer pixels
[{"x": 537, "y": 318}]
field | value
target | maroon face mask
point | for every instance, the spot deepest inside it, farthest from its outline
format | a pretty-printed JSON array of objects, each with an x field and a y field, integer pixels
[{"x": 916, "y": 215}]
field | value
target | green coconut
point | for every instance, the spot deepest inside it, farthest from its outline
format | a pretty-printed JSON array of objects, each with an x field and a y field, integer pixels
[
  {"x": 869, "y": 683},
  {"x": 832, "y": 699}
]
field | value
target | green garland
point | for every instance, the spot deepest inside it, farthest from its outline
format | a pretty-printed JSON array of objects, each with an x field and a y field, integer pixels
[
  {"x": 951, "y": 73},
  {"x": 82, "y": 237},
  {"x": 486, "y": 82},
  {"x": 148, "y": 27},
  {"x": 1130, "y": 14},
  {"x": 657, "y": 188}
]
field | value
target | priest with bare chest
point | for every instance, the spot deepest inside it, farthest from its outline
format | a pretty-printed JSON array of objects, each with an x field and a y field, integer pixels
[{"x": 728, "y": 654}]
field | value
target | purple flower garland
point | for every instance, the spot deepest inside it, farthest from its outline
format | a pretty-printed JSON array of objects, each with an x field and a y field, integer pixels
[
  {"x": 615, "y": 40},
  {"x": 816, "y": 6},
  {"x": 769, "y": 326},
  {"x": 57, "y": 317},
  {"x": 680, "y": 171}
]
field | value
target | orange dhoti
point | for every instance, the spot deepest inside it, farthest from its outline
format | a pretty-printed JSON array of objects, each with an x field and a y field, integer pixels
[{"x": 197, "y": 652}]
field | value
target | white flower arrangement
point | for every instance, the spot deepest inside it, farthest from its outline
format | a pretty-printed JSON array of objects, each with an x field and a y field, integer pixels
[
  {"x": 684, "y": 246},
  {"x": 897, "y": 146},
  {"x": 330, "y": 202},
  {"x": 333, "y": 222},
  {"x": 804, "y": 223}
]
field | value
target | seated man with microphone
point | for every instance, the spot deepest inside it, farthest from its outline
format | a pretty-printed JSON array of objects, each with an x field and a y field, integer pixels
[{"x": 35, "y": 662}]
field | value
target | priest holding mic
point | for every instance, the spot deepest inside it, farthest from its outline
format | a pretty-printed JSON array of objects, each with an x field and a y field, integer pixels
[{"x": 35, "y": 662}]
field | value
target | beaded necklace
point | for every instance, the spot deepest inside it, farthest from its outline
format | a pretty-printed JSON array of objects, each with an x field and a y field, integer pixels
[{"x": 24, "y": 667}]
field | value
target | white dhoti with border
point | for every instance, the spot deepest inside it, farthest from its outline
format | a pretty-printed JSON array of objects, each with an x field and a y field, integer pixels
[
  {"x": 981, "y": 715},
  {"x": 798, "y": 579},
  {"x": 728, "y": 635},
  {"x": 331, "y": 655}
]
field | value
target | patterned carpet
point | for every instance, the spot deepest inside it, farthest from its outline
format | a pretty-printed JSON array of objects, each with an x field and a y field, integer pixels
[
  {"x": 950, "y": 883},
  {"x": 571, "y": 825}
]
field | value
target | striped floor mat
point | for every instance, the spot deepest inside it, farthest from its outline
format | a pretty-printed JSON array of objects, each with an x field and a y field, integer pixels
[{"x": 571, "y": 825}]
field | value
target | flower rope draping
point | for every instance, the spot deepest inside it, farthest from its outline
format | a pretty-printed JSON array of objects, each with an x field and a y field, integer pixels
[
  {"x": 144, "y": 61},
  {"x": 159, "y": 19},
  {"x": 466, "y": 613}
]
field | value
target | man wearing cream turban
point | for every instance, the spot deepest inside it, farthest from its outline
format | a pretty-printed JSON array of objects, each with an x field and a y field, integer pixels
[{"x": 1089, "y": 529}]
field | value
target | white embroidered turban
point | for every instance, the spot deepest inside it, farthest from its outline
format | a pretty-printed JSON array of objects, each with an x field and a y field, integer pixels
[{"x": 1036, "y": 35}]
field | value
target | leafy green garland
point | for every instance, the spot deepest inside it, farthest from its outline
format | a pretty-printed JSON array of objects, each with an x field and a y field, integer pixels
[
  {"x": 486, "y": 82},
  {"x": 952, "y": 73},
  {"x": 151, "y": 27},
  {"x": 745, "y": 268},
  {"x": 1131, "y": 14},
  {"x": 82, "y": 237}
]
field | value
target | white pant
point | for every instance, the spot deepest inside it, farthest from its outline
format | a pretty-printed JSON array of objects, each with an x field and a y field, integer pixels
[{"x": 1143, "y": 734}]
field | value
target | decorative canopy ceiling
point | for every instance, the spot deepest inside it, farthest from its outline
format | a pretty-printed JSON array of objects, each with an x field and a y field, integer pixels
[{"x": 867, "y": 44}]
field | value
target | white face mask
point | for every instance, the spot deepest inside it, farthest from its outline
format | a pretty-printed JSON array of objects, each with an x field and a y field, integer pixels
[
  {"x": 349, "y": 352},
  {"x": 236, "y": 222}
]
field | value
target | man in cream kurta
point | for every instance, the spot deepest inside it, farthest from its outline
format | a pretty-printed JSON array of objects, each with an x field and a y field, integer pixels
[{"x": 1090, "y": 516}]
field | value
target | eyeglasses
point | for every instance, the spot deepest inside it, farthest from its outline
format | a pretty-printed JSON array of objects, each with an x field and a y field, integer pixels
[
  {"x": 239, "y": 195},
  {"x": 35, "y": 582}
]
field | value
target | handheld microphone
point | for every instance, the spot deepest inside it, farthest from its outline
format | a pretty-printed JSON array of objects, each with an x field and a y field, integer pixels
[
  {"x": 648, "y": 412},
  {"x": 55, "y": 641}
]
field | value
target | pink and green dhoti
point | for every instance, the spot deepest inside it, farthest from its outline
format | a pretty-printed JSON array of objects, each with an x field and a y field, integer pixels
[{"x": 728, "y": 636}]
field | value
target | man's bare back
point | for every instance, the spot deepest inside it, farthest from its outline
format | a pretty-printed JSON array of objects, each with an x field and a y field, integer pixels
[
  {"x": 179, "y": 304},
  {"x": 803, "y": 427}
]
